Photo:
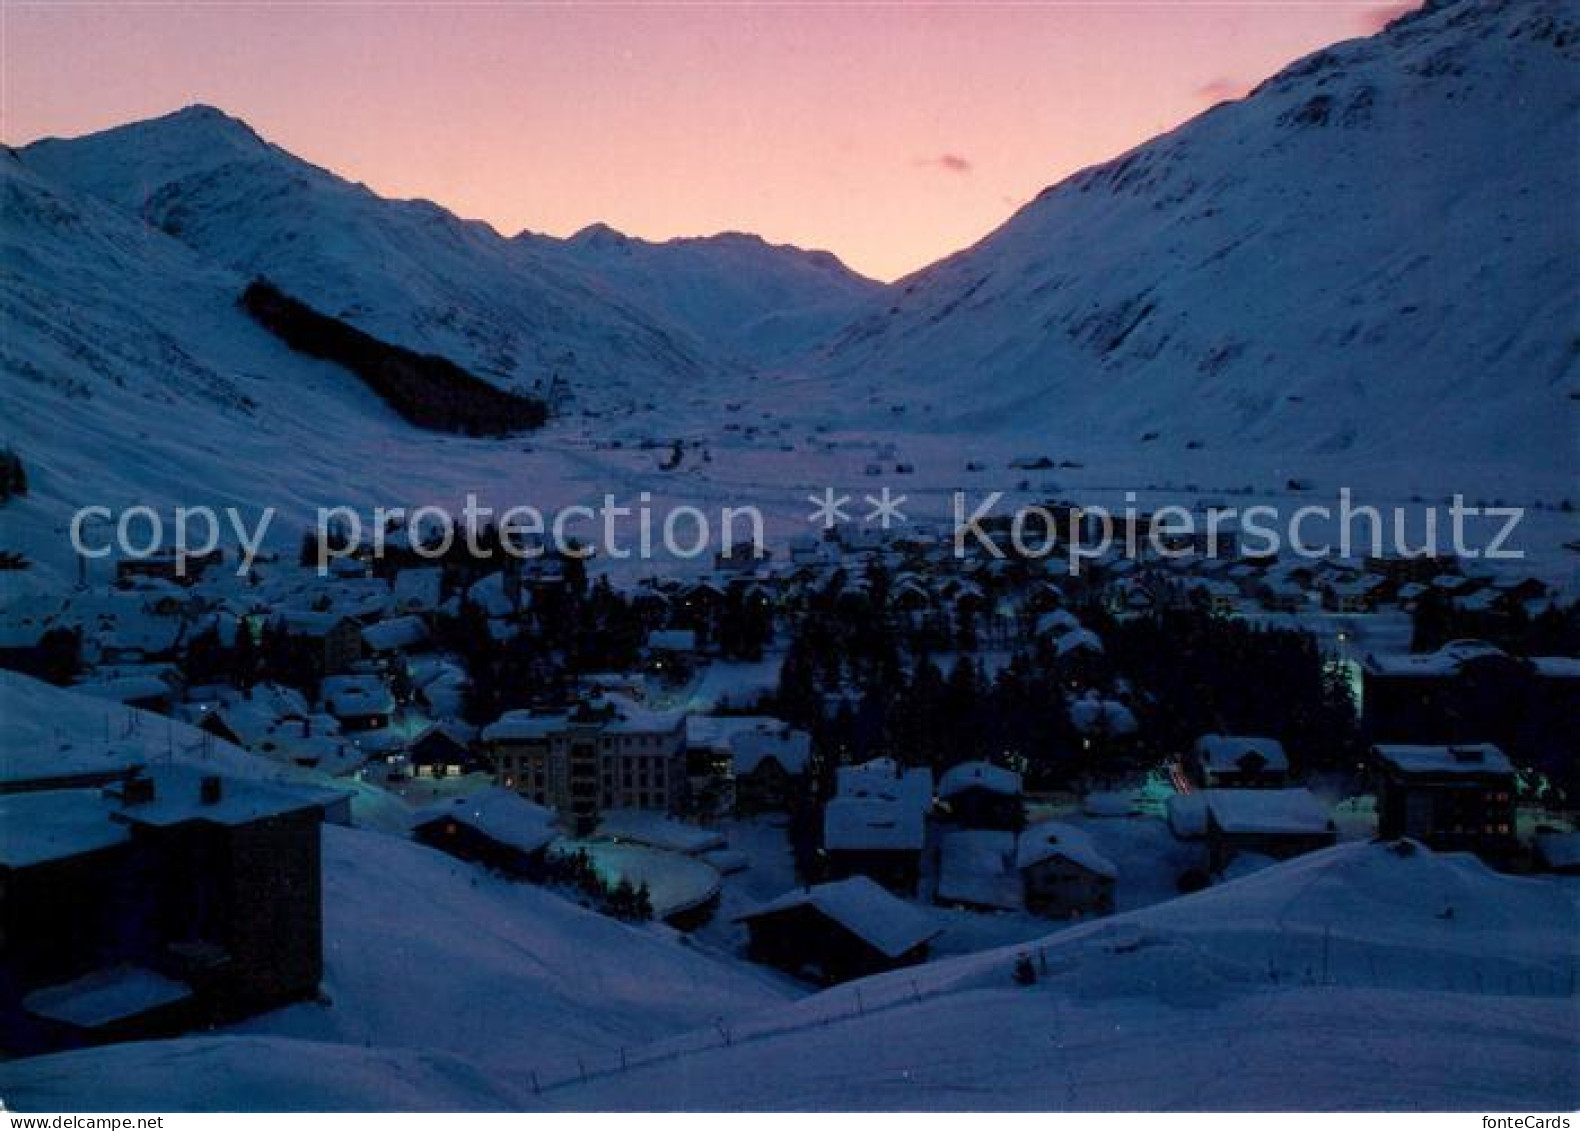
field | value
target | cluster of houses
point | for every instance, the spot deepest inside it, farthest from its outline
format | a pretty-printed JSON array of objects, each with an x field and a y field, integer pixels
[{"x": 388, "y": 698}]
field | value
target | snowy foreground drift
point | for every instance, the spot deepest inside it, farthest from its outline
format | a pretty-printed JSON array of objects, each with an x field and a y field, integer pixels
[{"x": 1362, "y": 976}]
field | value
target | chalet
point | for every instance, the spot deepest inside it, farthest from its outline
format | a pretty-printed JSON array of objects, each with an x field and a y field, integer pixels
[
  {"x": 1062, "y": 872},
  {"x": 358, "y": 702},
  {"x": 418, "y": 590},
  {"x": 1105, "y": 725},
  {"x": 1400, "y": 569},
  {"x": 394, "y": 636},
  {"x": 672, "y": 652},
  {"x": 497, "y": 828},
  {"x": 1279, "y": 823},
  {"x": 980, "y": 795},
  {"x": 876, "y": 823},
  {"x": 1280, "y": 596},
  {"x": 33, "y": 639},
  {"x": 165, "y": 902},
  {"x": 499, "y": 595},
  {"x": 768, "y": 765},
  {"x": 1220, "y": 761},
  {"x": 445, "y": 750},
  {"x": 976, "y": 871},
  {"x": 1452, "y": 798},
  {"x": 337, "y": 639},
  {"x": 837, "y": 931},
  {"x": 1346, "y": 595}
]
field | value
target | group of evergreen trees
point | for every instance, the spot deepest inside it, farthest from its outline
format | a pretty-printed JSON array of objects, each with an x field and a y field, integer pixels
[
  {"x": 428, "y": 391},
  {"x": 621, "y": 899},
  {"x": 13, "y": 476},
  {"x": 1555, "y": 631},
  {"x": 1183, "y": 674},
  {"x": 274, "y": 655}
]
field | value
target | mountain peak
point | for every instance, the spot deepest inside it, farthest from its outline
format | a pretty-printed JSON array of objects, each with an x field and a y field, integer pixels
[{"x": 599, "y": 235}]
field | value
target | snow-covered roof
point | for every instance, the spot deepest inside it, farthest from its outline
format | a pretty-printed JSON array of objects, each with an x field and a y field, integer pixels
[
  {"x": 1048, "y": 840},
  {"x": 46, "y": 825},
  {"x": 672, "y": 640},
  {"x": 885, "y": 922},
  {"x": 178, "y": 797},
  {"x": 630, "y": 717},
  {"x": 1091, "y": 714},
  {"x": 105, "y": 996},
  {"x": 1559, "y": 850},
  {"x": 1557, "y": 667},
  {"x": 126, "y": 689},
  {"x": 866, "y": 823},
  {"x": 717, "y": 732},
  {"x": 418, "y": 588},
  {"x": 1470, "y": 758},
  {"x": 1266, "y": 811},
  {"x": 974, "y": 867},
  {"x": 886, "y": 778},
  {"x": 1057, "y": 623},
  {"x": 1225, "y": 753},
  {"x": 1446, "y": 661},
  {"x": 1186, "y": 814},
  {"x": 391, "y": 635},
  {"x": 791, "y": 748},
  {"x": 642, "y": 826},
  {"x": 979, "y": 775},
  {"x": 501, "y": 815},
  {"x": 489, "y": 594},
  {"x": 523, "y": 726},
  {"x": 354, "y": 695},
  {"x": 1078, "y": 639},
  {"x": 308, "y": 622}
]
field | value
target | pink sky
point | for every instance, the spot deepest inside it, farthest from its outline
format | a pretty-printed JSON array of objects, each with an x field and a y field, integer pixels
[{"x": 891, "y": 134}]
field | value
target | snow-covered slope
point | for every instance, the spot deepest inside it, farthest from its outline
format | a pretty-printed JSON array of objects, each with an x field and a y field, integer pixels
[
  {"x": 1370, "y": 258},
  {"x": 1357, "y": 977},
  {"x": 1433, "y": 982},
  {"x": 423, "y": 951},
  {"x": 407, "y": 271},
  {"x": 609, "y": 319},
  {"x": 128, "y": 375}
]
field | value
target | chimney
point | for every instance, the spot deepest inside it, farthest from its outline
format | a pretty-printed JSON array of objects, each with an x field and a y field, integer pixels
[{"x": 211, "y": 789}]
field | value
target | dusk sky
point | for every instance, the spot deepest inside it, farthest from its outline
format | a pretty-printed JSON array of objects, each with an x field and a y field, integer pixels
[{"x": 891, "y": 134}]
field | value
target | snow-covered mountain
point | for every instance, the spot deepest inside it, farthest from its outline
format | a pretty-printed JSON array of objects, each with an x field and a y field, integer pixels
[
  {"x": 1370, "y": 257},
  {"x": 1363, "y": 272},
  {"x": 608, "y": 318},
  {"x": 755, "y": 299}
]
